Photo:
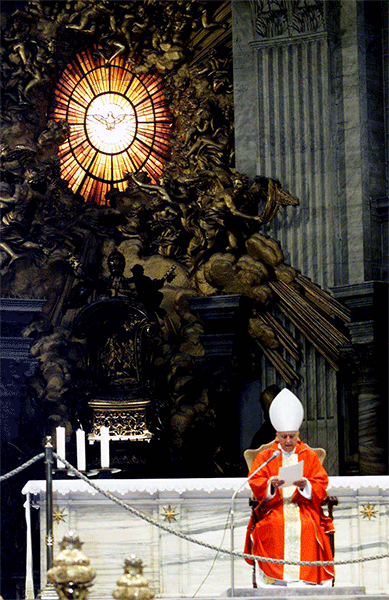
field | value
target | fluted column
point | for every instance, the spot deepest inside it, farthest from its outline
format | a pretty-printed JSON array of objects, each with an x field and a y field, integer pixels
[
  {"x": 287, "y": 117},
  {"x": 309, "y": 98}
]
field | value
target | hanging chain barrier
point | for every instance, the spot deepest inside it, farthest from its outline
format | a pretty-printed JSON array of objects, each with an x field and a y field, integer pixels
[
  {"x": 22, "y": 467},
  {"x": 179, "y": 534}
]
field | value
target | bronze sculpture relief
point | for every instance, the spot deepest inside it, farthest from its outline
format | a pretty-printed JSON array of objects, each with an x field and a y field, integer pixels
[{"x": 201, "y": 221}]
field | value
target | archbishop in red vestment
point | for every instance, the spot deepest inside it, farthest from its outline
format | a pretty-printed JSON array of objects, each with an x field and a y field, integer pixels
[{"x": 289, "y": 522}]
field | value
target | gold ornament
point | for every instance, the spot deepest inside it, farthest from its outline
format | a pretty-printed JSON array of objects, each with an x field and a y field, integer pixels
[
  {"x": 58, "y": 514},
  {"x": 169, "y": 514},
  {"x": 132, "y": 585},
  {"x": 369, "y": 511},
  {"x": 71, "y": 574}
]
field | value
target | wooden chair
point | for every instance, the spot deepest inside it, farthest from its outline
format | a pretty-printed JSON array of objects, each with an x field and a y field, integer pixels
[{"x": 330, "y": 501}]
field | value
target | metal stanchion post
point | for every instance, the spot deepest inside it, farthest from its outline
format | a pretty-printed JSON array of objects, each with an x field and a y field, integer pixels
[
  {"x": 232, "y": 545},
  {"x": 49, "y": 503},
  {"x": 49, "y": 593}
]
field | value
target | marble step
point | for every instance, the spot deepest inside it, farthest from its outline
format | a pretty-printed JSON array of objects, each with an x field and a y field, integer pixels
[
  {"x": 314, "y": 596},
  {"x": 284, "y": 593},
  {"x": 295, "y": 593},
  {"x": 282, "y": 596}
]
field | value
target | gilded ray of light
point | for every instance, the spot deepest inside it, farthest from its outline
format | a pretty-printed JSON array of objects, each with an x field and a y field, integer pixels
[{"x": 118, "y": 122}]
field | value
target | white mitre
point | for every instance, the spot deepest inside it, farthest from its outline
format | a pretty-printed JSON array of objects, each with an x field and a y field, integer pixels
[{"x": 286, "y": 412}]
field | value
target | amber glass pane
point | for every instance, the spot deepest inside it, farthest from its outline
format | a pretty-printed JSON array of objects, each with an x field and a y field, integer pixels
[{"x": 118, "y": 122}]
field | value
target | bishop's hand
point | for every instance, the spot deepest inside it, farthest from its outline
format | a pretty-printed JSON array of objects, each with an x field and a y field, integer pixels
[
  {"x": 275, "y": 482},
  {"x": 300, "y": 483}
]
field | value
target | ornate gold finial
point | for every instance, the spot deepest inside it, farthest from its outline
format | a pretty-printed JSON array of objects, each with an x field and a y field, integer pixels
[
  {"x": 132, "y": 585},
  {"x": 71, "y": 574},
  {"x": 169, "y": 514}
]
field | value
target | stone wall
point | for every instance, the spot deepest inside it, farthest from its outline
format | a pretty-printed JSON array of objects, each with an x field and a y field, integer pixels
[{"x": 310, "y": 103}]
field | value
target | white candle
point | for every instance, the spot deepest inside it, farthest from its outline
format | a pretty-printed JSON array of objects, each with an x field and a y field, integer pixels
[
  {"x": 104, "y": 447},
  {"x": 81, "y": 456},
  {"x": 60, "y": 435}
]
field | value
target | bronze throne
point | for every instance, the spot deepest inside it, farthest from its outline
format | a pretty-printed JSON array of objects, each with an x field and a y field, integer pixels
[{"x": 119, "y": 338}]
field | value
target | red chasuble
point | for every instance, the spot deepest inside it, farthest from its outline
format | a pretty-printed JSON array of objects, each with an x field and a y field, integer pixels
[{"x": 289, "y": 526}]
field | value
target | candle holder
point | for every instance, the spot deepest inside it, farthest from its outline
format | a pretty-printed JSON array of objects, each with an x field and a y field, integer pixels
[
  {"x": 105, "y": 473},
  {"x": 110, "y": 469},
  {"x": 86, "y": 473}
]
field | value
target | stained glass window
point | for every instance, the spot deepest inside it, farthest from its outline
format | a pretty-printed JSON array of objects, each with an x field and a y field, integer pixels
[{"x": 119, "y": 122}]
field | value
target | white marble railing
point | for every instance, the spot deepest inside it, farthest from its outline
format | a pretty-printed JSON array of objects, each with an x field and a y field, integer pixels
[{"x": 200, "y": 509}]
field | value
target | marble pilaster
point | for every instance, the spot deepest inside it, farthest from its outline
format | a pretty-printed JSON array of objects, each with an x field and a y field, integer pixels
[
  {"x": 363, "y": 375},
  {"x": 310, "y": 98}
]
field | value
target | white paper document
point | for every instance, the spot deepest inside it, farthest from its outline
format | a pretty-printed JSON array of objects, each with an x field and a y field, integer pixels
[{"x": 291, "y": 474}]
